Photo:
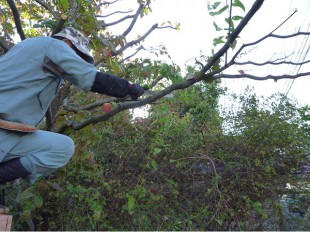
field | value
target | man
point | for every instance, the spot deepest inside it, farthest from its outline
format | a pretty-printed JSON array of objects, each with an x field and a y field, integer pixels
[{"x": 30, "y": 75}]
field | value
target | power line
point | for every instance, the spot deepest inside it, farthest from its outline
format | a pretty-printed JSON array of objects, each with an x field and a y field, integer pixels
[{"x": 301, "y": 59}]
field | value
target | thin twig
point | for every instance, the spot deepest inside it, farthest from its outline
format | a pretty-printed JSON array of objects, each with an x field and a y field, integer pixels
[
  {"x": 47, "y": 7},
  {"x": 116, "y": 12}
]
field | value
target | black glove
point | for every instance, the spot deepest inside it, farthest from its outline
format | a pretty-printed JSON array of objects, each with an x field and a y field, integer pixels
[{"x": 135, "y": 91}]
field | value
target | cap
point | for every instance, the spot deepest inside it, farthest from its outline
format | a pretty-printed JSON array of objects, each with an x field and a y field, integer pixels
[{"x": 78, "y": 40}]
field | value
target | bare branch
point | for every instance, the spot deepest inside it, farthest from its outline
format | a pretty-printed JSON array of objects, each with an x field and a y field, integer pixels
[
  {"x": 271, "y": 63},
  {"x": 289, "y": 36},
  {"x": 164, "y": 27},
  {"x": 136, "y": 41},
  {"x": 103, "y": 24},
  {"x": 263, "y": 38},
  {"x": 198, "y": 62},
  {"x": 116, "y": 12},
  {"x": 232, "y": 61},
  {"x": 135, "y": 53},
  {"x": 134, "y": 20},
  {"x": 17, "y": 19},
  {"x": 158, "y": 79},
  {"x": 106, "y": 3},
  {"x": 257, "y": 78}
]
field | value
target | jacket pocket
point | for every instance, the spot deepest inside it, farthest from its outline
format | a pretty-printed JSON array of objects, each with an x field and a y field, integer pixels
[{"x": 46, "y": 96}]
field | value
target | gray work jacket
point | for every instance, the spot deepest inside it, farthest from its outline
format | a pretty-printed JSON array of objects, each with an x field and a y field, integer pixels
[{"x": 30, "y": 75}]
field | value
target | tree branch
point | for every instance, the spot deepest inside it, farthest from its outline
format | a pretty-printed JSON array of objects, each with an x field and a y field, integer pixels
[
  {"x": 136, "y": 41},
  {"x": 263, "y": 38},
  {"x": 134, "y": 20},
  {"x": 116, "y": 12},
  {"x": 17, "y": 19},
  {"x": 47, "y": 7},
  {"x": 126, "y": 105},
  {"x": 135, "y": 53},
  {"x": 94, "y": 105},
  {"x": 103, "y": 24},
  {"x": 60, "y": 24},
  {"x": 232, "y": 61},
  {"x": 257, "y": 78},
  {"x": 106, "y": 3},
  {"x": 4, "y": 47},
  {"x": 271, "y": 63}
]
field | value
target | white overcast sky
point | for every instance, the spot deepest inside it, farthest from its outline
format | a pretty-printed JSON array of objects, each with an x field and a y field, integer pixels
[{"x": 197, "y": 33}]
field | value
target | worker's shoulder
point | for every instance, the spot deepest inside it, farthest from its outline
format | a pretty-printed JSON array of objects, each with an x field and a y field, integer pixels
[{"x": 43, "y": 40}]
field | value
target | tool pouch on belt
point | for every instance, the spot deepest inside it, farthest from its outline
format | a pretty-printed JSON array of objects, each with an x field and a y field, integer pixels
[{"x": 7, "y": 125}]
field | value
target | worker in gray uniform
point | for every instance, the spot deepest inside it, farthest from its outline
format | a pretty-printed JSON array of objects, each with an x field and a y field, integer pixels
[{"x": 30, "y": 75}]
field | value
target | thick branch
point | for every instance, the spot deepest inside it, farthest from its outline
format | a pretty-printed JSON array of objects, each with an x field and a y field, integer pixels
[
  {"x": 60, "y": 24},
  {"x": 17, "y": 19},
  {"x": 94, "y": 105},
  {"x": 126, "y": 105}
]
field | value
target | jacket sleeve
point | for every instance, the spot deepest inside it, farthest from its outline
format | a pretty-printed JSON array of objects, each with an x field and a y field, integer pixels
[
  {"x": 63, "y": 62},
  {"x": 111, "y": 85}
]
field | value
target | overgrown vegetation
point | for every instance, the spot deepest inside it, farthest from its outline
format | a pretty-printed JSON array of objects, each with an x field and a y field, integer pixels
[
  {"x": 189, "y": 165},
  {"x": 178, "y": 169}
]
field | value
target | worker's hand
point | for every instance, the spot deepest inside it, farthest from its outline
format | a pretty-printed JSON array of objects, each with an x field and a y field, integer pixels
[{"x": 135, "y": 91}]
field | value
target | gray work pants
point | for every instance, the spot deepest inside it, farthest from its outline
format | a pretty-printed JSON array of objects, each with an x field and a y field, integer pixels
[{"x": 42, "y": 152}]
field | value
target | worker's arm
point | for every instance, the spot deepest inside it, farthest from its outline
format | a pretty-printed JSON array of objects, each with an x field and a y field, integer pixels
[
  {"x": 117, "y": 87},
  {"x": 63, "y": 62}
]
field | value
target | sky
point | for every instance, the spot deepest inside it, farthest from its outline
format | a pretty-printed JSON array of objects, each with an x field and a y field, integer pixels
[{"x": 196, "y": 35}]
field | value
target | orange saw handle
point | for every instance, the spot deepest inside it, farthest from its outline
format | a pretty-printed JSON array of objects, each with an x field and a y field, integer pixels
[{"x": 14, "y": 126}]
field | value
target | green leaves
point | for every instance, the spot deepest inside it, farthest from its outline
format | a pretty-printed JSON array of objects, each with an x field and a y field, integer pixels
[
  {"x": 131, "y": 203},
  {"x": 216, "y": 9},
  {"x": 238, "y": 3},
  {"x": 218, "y": 40},
  {"x": 217, "y": 28},
  {"x": 213, "y": 6},
  {"x": 64, "y": 4},
  {"x": 157, "y": 150},
  {"x": 220, "y": 11}
]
